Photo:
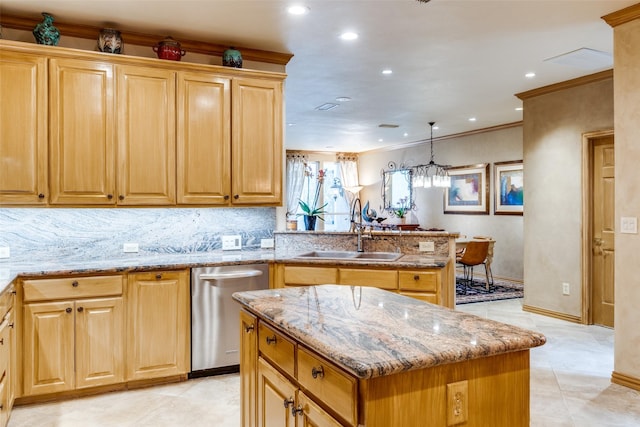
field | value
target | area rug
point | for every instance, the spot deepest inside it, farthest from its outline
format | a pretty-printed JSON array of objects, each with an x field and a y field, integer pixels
[{"x": 477, "y": 292}]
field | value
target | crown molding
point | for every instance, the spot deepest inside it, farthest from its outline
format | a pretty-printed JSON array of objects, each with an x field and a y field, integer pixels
[
  {"x": 591, "y": 78},
  {"x": 623, "y": 16},
  {"x": 27, "y": 23}
]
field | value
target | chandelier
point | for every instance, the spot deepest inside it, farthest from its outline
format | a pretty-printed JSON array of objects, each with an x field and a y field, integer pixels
[{"x": 432, "y": 174}]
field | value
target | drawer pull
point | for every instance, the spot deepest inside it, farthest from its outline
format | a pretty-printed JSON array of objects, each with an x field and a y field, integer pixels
[
  {"x": 272, "y": 339},
  {"x": 158, "y": 276},
  {"x": 288, "y": 402},
  {"x": 249, "y": 328},
  {"x": 68, "y": 310},
  {"x": 1, "y": 341},
  {"x": 297, "y": 411},
  {"x": 80, "y": 309},
  {"x": 11, "y": 325},
  {"x": 75, "y": 283},
  {"x": 317, "y": 372},
  {"x": 416, "y": 277}
]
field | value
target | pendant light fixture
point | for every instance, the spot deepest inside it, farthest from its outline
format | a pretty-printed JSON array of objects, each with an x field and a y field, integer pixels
[{"x": 432, "y": 174}]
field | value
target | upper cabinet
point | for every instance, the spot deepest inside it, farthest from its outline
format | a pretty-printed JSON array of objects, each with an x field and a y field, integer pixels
[
  {"x": 23, "y": 129},
  {"x": 126, "y": 131}
]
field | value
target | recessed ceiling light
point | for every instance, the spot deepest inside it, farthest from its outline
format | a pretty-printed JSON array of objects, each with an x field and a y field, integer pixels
[
  {"x": 381, "y": 140},
  {"x": 326, "y": 106},
  {"x": 343, "y": 99},
  {"x": 530, "y": 75},
  {"x": 349, "y": 35},
  {"x": 298, "y": 9},
  {"x": 436, "y": 127},
  {"x": 387, "y": 71},
  {"x": 405, "y": 134},
  {"x": 519, "y": 108},
  {"x": 291, "y": 124},
  {"x": 472, "y": 119}
]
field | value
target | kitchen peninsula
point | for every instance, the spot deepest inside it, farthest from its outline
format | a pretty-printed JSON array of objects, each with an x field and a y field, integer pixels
[{"x": 362, "y": 356}]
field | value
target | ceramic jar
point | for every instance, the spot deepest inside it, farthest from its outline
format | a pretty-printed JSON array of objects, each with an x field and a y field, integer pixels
[
  {"x": 169, "y": 49},
  {"x": 45, "y": 32},
  {"x": 232, "y": 58},
  {"x": 110, "y": 41}
]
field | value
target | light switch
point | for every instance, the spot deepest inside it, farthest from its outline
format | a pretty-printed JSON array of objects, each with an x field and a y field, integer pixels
[{"x": 629, "y": 225}]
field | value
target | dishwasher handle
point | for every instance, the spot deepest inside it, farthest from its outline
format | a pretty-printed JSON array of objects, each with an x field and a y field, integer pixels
[{"x": 240, "y": 274}]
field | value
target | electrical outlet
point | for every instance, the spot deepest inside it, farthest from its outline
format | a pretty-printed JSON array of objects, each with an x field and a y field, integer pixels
[
  {"x": 566, "y": 288},
  {"x": 629, "y": 225},
  {"x": 230, "y": 243},
  {"x": 266, "y": 243},
  {"x": 457, "y": 403},
  {"x": 426, "y": 247},
  {"x": 5, "y": 252},
  {"x": 130, "y": 248}
]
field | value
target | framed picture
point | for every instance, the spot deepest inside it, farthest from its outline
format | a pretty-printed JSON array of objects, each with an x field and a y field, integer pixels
[
  {"x": 469, "y": 192},
  {"x": 509, "y": 188}
]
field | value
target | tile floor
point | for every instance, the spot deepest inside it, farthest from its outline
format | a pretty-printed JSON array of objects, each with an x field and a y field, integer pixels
[{"x": 570, "y": 386}]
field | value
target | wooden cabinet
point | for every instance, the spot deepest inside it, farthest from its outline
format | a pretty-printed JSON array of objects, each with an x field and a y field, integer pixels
[
  {"x": 426, "y": 284},
  {"x": 146, "y": 104},
  {"x": 204, "y": 139},
  {"x": 82, "y": 132},
  {"x": 23, "y": 129},
  {"x": 158, "y": 324},
  {"x": 248, "y": 368},
  {"x": 7, "y": 355},
  {"x": 76, "y": 341},
  {"x": 256, "y": 141}
]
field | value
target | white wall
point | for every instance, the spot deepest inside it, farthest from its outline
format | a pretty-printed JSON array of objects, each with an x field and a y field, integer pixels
[{"x": 489, "y": 147}]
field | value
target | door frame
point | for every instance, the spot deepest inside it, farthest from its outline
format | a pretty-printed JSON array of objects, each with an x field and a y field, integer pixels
[{"x": 587, "y": 218}]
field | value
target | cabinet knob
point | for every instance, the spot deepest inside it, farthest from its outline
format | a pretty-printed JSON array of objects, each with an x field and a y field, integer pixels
[
  {"x": 272, "y": 339},
  {"x": 75, "y": 283},
  {"x": 416, "y": 277},
  {"x": 158, "y": 276},
  {"x": 297, "y": 411},
  {"x": 80, "y": 309},
  {"x": 40, "y": 196},
  {"x": 11, "y": 325},
  {"x": 1, "y": 341},
  {"x": 317, "y": 372},
  {"x": 249, "y": 328},
  {"x": 109, "y": 196},
  {"x": 236, "y": 196},
  {"x": 288, "y": 402},
  {"x": 226, "y": 197},
  {"x": 121, "y": 197},
  {"x": 68, "y": 310}
]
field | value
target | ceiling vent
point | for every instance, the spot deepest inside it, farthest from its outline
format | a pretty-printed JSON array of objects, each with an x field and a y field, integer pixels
[
  {"x": 584, "y": 59},
  {"x": 388, "y": 126},
  {"x": 326, "y": 106}
]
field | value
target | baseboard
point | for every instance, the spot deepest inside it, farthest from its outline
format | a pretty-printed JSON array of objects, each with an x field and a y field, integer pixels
[
  {"x": 625, "y": 380},
  {"x": 551, "y": 313}
]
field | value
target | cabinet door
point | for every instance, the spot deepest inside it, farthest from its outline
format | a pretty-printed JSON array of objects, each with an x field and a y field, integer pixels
[
  {"x": 81, "y": 122},
  {"x": 204, "y": 139},
  {"x": 146, "y": 135},
  {"x": 158, "y": 325},
  {"x": 48, "y": 347},
  {"x": 248, "y": 367},
  {"x": 23, "y": 129},
  {"x": 99, "y": 342},
  {"x": 313, "y": 415},
  {"x": 276, "y": 397},
  {"x": 256, "y": 155},
  {"x": 5, "y": 368}
]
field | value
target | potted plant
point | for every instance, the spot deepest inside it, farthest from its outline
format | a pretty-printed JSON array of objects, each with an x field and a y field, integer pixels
[
  {"x": 400, "y": 211},
  {"x": 310, "y": 209}
]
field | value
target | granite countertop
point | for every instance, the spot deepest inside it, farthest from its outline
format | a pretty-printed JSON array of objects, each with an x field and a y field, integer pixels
[
  {"x": 405, "y": 261},
  {"x": 371, "y": 332}
]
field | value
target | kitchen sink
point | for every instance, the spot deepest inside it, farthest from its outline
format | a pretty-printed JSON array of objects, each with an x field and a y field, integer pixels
[{"x": 350, "y": 255}]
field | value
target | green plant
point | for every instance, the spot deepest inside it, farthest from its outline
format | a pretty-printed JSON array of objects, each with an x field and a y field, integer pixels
[
  {"x": 306, "y": 209},
  {"x": 310, "y": 208},
  {"x": 401, "y": 210}
]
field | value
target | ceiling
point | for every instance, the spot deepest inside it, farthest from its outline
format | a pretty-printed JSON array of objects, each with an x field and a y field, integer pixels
[{"x": 451, "y": 59}]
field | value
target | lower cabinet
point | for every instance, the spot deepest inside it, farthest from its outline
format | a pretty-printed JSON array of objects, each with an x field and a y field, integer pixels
[
  {"x": 158, "y": 324},
  {"x": 248, "y": 368},
  {"x": 7, "y": 357},
  {"x": 75, "y": 341}
]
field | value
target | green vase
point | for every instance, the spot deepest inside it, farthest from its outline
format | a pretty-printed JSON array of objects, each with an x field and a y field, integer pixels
[
  {"x": 232, "y": 58},
  {"x": 45, "y": 32}
]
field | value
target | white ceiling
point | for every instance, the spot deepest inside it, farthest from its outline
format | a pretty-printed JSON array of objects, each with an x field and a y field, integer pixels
[{"x": 451, "y": 59}]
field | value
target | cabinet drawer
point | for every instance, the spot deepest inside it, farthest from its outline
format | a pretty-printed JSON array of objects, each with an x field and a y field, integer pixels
[
  {"x": 278, "y": 349},
  {"x": 422, "y": 296},
  {"x": 6, "y": 301},
  {"x": 71, "y": 288},
  {"x": 426, "y": 281},
  {"x": 384, "y": 279},
  {"x": 329, "y": 384},
  {"x": 310, "y": 275}
]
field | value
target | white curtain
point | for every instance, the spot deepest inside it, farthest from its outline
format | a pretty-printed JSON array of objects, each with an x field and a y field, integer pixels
[
  {"x": 295, "y": 180},
  {"x": 349, "y": 170}
]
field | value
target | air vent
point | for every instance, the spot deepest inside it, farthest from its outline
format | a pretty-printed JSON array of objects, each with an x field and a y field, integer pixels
[
  {"x": 327, "y": 106},
  {"x": 389, "y": 126},
  {"x": 584, "y": 59}
]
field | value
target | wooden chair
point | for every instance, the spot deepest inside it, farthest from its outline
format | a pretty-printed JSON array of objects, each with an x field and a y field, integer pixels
[{"x": 474, "y": 254}]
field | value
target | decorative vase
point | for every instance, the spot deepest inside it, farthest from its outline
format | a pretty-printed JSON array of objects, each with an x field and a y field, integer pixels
[
  {"x": 110, "y": 41},
  {"x": 169, "y": 49},
  {"x": 232, "y": 58},
  {"x": 310, "y": 222},
  {"x": 45, "y": 32}
]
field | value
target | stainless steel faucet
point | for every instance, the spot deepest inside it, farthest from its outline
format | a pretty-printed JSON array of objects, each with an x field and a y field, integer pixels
[{"x": 357, "y": 226}]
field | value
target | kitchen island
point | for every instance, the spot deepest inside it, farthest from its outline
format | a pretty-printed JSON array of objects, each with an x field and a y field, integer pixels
[{"x": 361, "y": 356}]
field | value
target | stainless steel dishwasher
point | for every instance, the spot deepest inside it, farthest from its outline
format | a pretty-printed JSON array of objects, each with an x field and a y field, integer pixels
[{"x": 215, "y": 317}]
